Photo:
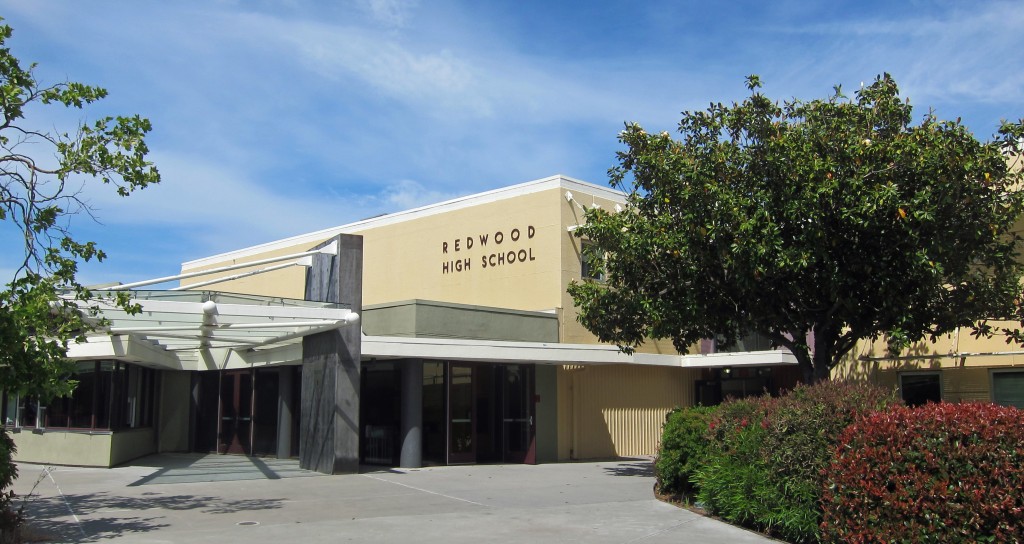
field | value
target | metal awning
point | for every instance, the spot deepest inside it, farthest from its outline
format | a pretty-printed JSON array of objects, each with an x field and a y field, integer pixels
[{"x": 194, "y": 330}]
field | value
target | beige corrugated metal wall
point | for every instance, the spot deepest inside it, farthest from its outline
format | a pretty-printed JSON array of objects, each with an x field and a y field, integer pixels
[
  {"x": 966, "y": 384},
  {"x": 617, "y": 410}
]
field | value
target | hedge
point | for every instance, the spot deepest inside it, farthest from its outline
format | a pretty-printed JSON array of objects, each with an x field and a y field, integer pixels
[{"x": 936, "y": 473}]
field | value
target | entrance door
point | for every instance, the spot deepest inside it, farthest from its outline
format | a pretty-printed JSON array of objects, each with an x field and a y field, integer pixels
[
  {"x": 235, "y": 434},
  {"x": 518, "y": 431},
  {"x": 461, "y": 415}
]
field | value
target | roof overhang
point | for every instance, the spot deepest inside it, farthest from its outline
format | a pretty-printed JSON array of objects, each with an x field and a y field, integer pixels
[
  {"x": 495, "y": 351},
  {"x": 181, "y": 331}
]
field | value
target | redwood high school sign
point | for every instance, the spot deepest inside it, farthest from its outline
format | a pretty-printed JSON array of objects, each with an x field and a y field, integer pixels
[{"x": 487, "y": 250}]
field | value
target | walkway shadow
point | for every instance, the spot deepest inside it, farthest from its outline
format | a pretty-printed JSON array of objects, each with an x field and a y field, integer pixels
[
  {"x": 186, "y": 468},
  {"x": 644, "y": 468},
  {"x": 106, "y": 516}
]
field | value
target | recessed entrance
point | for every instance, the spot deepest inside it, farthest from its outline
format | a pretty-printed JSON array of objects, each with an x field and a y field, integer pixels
[
  {"x": 236, "y": 411},
  {"x": 472, "y": 413},
  {"x": 490, "y": 414}
]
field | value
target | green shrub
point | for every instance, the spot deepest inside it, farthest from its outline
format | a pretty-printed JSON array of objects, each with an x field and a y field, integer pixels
[
  {"x": 936, "y": 473},
  {"x": 763, "y": 464},
  {"x": 684, "y": 442},
  {"x": 9, "y": 519},
  {"x": 731, "y": 480},
  {"x": 802, "y": 429}
]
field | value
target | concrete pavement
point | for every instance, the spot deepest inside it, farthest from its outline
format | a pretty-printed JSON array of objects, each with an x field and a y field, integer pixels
[{"x": 196, "y": 499}]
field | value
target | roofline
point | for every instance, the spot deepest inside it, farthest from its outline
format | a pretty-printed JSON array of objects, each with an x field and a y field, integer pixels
[{"x": 557, "y": 181}]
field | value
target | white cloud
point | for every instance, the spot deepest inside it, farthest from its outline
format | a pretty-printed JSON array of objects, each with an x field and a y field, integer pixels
[
  {"x": 395, "y": 13},
  {"x": 221, "y": 202},
  {"x": 967, "y": 53},
  {"x": 407, "y": 194}
]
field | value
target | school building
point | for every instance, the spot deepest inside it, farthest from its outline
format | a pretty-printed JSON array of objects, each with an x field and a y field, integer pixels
[{"x": 437, "y": 335}]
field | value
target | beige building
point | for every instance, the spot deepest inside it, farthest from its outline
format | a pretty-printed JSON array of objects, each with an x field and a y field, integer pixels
[{"x": 467, "y": 349}]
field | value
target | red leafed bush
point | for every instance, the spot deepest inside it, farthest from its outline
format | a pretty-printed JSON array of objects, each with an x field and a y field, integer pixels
[{"x": 936, "y": 473}]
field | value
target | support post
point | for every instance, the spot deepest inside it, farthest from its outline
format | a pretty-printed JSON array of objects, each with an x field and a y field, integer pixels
[
  {"x": 412, "y": 414},
  {"x": 285, "y": 411}
]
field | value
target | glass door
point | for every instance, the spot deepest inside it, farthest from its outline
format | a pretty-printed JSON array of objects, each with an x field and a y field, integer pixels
[
  {"x": 518, "y": 430},
  {"x": 235, "y": 434},
  {"x": 461, "y": 415}
]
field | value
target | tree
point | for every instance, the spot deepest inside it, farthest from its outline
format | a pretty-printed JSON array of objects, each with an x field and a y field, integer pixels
[
  {"x": 815, "y": 224},
  {"x": 42, "y": 174}
]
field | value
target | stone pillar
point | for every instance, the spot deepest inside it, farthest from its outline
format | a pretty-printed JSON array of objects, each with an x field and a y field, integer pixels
[
  {"x": 412, "y": 414},
  {"x": 329, "y": 425}
]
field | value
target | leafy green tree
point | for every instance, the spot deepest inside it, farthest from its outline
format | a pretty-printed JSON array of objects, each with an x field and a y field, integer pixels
[
  {"x": 814, "y": 223},
  {"x": 42, "y": 175}
]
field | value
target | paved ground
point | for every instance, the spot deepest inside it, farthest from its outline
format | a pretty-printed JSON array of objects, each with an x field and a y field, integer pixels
[{"x": 196, "y": 499}]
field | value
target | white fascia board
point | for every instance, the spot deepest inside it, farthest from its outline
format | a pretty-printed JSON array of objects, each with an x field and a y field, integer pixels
[
  {"x": 506, "y": 352},
  {"x": 553, "y": 182},
  {"x": 743, "y": 358},
  {"x": 191, "y": 310}
]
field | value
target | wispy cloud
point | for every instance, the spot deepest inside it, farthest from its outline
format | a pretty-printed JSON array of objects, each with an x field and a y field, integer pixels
[
  {"x": 276, "y": 118},
  {"x": 394, "y": 13},
  {"x": 965, "y": 53}
]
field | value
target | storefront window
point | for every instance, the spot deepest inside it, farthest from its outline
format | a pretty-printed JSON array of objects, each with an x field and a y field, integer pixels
[{"x": 107, "y": 392}]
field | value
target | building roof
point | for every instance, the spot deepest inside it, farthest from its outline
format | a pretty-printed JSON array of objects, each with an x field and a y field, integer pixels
[{"x": 553, "y": 182}]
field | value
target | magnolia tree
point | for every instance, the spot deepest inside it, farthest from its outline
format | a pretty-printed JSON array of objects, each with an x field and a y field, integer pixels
[
  {"x": 43, "y": 172},
  {"x": 813, "y": 223}
]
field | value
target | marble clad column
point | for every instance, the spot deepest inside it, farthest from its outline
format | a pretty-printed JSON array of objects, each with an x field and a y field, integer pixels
[{"x": 329, "y": 424}]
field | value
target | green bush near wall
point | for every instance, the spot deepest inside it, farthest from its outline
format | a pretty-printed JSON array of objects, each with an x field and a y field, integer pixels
[
  {"x": 758, "y": 462},
  {"x": 684, "y": 443}
]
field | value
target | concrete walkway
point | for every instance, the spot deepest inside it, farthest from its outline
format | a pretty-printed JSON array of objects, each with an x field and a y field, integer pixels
[{"x": 182, "y": 498}]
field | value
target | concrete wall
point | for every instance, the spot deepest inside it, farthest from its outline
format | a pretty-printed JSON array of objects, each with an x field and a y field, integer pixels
[
  {"x": 131, "y": 444},
  {"x": 62, "y": 448},
  {"x": 173, "y": 415},
  {"x": 430, "y": 319},
  {"x": 101, "y": 449}
]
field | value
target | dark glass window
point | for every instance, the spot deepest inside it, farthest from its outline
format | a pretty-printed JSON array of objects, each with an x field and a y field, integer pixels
[
  {"x": 591, "y": 262},
  {"x": 109, "y": 395},
  {"x": 83, "y": 399},
  {"x": 1008, "y": 388},
  {"x": 435, "y": 427},
  {"x": 921, "y": 388},
  {"x": 28, "y": 410}
]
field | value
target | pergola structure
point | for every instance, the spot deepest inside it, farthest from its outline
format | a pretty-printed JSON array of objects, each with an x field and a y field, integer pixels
[{"x": 203, "y": 330}]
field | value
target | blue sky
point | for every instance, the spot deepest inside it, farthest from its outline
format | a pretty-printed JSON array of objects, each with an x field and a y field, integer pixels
[{"x": 272, "y": 119}]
